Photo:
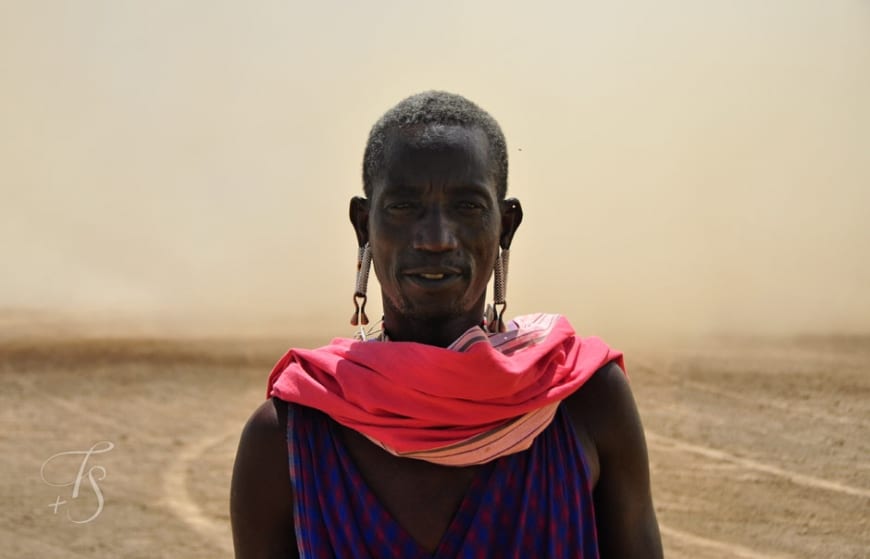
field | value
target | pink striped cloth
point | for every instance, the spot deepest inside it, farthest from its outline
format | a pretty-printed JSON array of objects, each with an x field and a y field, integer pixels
[{"x": 483, "y": 397}]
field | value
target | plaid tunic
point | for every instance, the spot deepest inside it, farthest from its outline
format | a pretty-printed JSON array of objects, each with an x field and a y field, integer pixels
[{"x": 532, "y": 504}]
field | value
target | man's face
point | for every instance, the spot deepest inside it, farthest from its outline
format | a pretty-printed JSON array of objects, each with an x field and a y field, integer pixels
[{"x": 434, "y": 223}]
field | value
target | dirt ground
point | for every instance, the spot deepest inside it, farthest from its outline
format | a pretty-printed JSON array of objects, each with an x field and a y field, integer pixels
[{"x": 758, "y": 448}]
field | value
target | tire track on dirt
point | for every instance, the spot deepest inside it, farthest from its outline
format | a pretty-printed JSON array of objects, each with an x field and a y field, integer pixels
[
  {"x": 781, "y": 405},
  {"x": 790, "y": 407},
  {"x": 75, "y": 408},
  {"x": 34, "y": 546},
  {"x": 175, "y": 494},
  {"x": 177, "y": 497},
  {"x": 729, "y": 549},
  {"x": 665, "y": 442}
]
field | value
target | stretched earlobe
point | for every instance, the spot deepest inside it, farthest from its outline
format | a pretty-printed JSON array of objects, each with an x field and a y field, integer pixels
[
  {"x": 511, "y": 217},
  {"x": 359, "y": 218}
]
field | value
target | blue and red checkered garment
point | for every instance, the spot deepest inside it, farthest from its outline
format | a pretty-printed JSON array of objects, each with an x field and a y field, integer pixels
[{"x": 536, "y": 503}]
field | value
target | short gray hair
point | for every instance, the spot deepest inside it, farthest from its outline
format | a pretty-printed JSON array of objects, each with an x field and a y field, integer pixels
[{"x": 435, "y": 107}]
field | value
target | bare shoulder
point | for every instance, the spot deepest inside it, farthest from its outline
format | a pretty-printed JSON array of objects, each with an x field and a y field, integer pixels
[
  {"x": 609, "y": 427},
  {"x": 268, "y": 420},
  {"x": 600, "y": 410},
  {"x": 261, "y": 497}
]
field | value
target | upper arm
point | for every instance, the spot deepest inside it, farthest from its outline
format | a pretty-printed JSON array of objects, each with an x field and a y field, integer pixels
[
  {"x": 261, "y": 497},
  {"x": 624, "y": 513}
]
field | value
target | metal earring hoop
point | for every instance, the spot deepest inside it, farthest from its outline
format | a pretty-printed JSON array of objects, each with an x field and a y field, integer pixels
[{"x": 363, "y": 266}]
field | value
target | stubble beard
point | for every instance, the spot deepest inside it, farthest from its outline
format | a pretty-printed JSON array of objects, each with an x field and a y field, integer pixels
[{"x": 409, "y": 309}]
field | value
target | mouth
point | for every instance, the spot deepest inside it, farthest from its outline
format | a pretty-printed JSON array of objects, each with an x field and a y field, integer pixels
[{"x": 433, "y": 277}]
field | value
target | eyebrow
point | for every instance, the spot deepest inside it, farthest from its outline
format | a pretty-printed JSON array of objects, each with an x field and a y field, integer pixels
[{"x": 470, "y": 188}]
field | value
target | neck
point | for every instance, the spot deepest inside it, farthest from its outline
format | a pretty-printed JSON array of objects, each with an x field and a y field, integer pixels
[{"x": 439, "y": 332}]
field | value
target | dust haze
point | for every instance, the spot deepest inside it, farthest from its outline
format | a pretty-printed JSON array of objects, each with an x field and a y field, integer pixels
[{"x": 685, "y": 168}]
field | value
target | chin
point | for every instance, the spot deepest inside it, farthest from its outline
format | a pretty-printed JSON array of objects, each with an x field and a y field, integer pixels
[{"x": 440, "y": 312}]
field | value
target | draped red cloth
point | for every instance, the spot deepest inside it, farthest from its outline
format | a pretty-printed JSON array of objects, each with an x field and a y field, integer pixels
[{"x": 413, "y": 397}]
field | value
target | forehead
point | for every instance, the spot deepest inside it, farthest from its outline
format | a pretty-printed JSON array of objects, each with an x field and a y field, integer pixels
[{"x": 427, "y": 155}]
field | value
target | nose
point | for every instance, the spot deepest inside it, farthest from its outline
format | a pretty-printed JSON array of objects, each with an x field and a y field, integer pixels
[{"x": 434, "y": 233}]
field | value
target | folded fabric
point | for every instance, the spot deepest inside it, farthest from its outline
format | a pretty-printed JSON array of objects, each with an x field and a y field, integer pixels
[{"x": 482, "y": 397}]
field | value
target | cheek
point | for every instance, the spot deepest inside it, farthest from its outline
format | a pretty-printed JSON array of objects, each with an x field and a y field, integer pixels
[
  {"x": 488, "y": 255},
  {"x": 378, "y": 266},
  {"x": 384, "y": 263}
]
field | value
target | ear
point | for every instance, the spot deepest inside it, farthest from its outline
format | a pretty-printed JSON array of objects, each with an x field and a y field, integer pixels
[
  {"x": 511, "y": 217},
  {"x": 359, "y": 218}
]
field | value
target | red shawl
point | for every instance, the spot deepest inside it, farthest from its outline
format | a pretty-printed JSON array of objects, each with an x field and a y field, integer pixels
[{"x": 413, "y": 397}]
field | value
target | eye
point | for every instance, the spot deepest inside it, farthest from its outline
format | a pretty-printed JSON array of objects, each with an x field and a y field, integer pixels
[
  {"x": 469, "y": 206},
  {"x": 399, "y": 206}
]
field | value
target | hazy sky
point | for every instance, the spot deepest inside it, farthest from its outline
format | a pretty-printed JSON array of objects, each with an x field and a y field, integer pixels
[{"x": 687, "y": 166}]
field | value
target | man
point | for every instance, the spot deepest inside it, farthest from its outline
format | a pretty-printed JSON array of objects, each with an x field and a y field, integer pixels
[{"x": 450, "y": 434}]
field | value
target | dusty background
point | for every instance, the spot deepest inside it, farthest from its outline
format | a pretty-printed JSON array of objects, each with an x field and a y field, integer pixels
[
  {"x": 174, "y": 179},
  {"x": 685, "y": 167}
]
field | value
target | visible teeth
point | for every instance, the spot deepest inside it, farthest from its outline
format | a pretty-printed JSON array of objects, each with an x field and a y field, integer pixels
[{"x": 432, "y": 276}]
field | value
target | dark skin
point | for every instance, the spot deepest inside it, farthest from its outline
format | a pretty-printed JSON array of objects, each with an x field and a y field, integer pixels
[{"x": 435, "y": 222}]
